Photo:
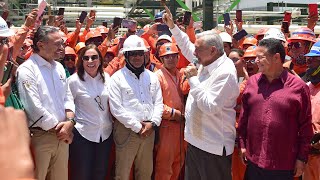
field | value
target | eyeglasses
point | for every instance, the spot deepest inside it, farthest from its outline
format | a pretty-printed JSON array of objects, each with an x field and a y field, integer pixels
[
  {"x": 69, "y": 58},
  {"x": 252, "y": 61},
  {"x": 295, "y": 45},
  {"x": 98, "y": 101},
  {"x": 170, "y": 56},
  {"x": 93, "y": 57},
  {"x": 136, "y": 53},
  {"x": 4, "y": 41}
]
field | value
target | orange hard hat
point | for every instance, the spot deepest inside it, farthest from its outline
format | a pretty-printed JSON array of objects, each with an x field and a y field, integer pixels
[
  {"x": 111, "y": 50},
  {"x": 168, "y": 48},
  {"x": 102, "y": 29},
  {"x": 69, "y": 50},
  {"x": 79, "y": 46},
  {"x": 81, "y": 37},
  {"x": 251, "y": 41},
  {"x": 303, "y": 33},
  {"x": 92, "y": 34},
  {"x": 262, "y": 32},
  {"x": 250, "y": 52}
]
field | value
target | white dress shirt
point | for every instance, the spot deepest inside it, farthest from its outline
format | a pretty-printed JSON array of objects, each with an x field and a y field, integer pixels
[
  {"x": 42, "y": 90},
  {"x": 90, "y": 105},
  {"x": 134, "y": 100},
  {"x": 210, "y": 115}
]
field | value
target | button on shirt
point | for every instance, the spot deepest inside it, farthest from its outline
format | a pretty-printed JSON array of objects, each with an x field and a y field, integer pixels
[
  {"x": 275, "y": 121},
  {"x": 210, "y": 114},
  {"x": 91, "y": 106},
  {"x": 42, "y": 90},
  {"x": 133, "y": 100}
]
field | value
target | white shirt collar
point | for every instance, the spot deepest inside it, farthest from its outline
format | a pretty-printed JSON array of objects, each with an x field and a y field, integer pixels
[
  {"x": 215, "y": 64},
  {"x": 42, "y": 62},
  {"x": 86, "y": 76}
]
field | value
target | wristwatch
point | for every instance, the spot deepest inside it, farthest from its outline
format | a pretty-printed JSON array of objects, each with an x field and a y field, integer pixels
[
  {"x": 72, "y": 120},
  {"x": 154, "y": 126}
]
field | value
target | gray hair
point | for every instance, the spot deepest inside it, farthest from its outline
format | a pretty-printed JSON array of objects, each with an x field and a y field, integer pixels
[
  {"x": 42, "y": 35},
  {"x": 211, "y": 38}
]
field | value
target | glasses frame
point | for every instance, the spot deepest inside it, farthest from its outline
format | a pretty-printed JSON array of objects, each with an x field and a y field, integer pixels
[{"x": 100, "y": 105}]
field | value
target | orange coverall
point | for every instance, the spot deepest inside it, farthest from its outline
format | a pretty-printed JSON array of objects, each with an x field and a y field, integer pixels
[
  {"x": 312, "y": 170},
  {"x": 170, "y": 150},
  {"x": 238, "y": 168}
]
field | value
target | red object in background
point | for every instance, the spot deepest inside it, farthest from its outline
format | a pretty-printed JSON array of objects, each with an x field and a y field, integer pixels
[
  {"x": 313, "y": 9},
  {"x": 239, "y": 15},
  {"x": 287, "y": 17}
]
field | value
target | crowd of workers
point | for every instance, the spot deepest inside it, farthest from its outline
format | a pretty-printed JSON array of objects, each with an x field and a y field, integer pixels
[{"x": 156, "y": 104}]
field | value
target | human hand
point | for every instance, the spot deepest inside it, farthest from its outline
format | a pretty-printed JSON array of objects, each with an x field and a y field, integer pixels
[
  {"x": 299, "y": 168},
  {"x": 31, "y": 18},
  {"x": 167, "y": 18},
  {"x": 15, "y": 156},
  {"x": 190, "y": 71},
  {"x": 147, "y": 130},
  {"x": 64, "y": 131},
  {"x": 243, "y": 156}
]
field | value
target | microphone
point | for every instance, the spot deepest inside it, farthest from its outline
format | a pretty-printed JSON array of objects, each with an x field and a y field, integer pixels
[{"x": 195, "y": 61}]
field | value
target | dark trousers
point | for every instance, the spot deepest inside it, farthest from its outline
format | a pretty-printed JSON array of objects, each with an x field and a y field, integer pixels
[
  {"x": 253, "y": 172},
  {"x": 88, "y": 160},
  {"x": 201, "y": 165}
]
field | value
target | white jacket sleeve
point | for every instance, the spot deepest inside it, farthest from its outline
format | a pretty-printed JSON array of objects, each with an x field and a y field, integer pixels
[
  {"x": 182, "y": 39},
  {"x": 158, "y": 105},
  {"x": 29, "y": 96}
]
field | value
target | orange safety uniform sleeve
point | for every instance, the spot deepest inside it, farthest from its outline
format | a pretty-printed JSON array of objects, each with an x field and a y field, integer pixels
[
  {"x": 151, "y": 40},
  {"x": 73, "y": 39},
  {"x": 191, "y": 33}
]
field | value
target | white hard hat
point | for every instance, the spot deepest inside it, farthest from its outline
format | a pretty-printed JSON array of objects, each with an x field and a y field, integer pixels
[
  {"x": 4, "y": 30},
  {"x": 133, "y": 43},
  {"x": 274, "y": 33},
  {"x": 164, "y": 37},
  {"x": 225, "y": 37}
]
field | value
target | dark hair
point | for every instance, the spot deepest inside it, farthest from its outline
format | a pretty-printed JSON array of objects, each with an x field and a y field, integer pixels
[
  {"x": 80, "y": 68},
  {"x": 42, "y": 35},
  {"x": 239, "y": 51},
  {"x": 274, "y": 46}
]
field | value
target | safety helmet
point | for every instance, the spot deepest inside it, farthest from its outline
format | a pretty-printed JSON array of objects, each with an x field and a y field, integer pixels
[
  {"x": 146, "y": 43},
  {"x": 133, "y": 43},
  {"x": 251, "y": 41},
  {"x": 274, "y": 33},
  {"x": 102, "y": 29},
  {"x": 79, "y": 46},
  {"x": 315, "y": 50},
  {"x": 261, "y": 32},
  {"x": 69, "y": 50},
  {"x": 168, "y": 48},
  {"x": 81, "y": 37},
  {"x": 225, "y": 37},
  {"x": 303, "y": 33},
  {"x": 159, "y": 15},
  {"x": 250, "y": 52},
  {"x": 4, "y": 29},
  {"x": 92, "y": 34},
  {"x": 164, "y": 37}
]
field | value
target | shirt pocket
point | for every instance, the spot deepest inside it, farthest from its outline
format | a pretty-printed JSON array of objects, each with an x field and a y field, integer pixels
[
  {"x": 153, "y": 89},
  {"x": 127, "y": 95}
]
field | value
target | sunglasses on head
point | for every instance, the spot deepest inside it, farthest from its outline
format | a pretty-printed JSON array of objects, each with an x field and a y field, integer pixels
[
  {"x": 295, "y": 45},
  {"x": 93, "y": 57},
  {"x": 4, "y": 41},
  {"x": 252, "y": 61},
  {"x": 136, "y": 53}
]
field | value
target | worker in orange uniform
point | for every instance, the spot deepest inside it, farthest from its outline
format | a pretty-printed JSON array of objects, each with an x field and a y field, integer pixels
[
  {"x": 251, "y": 68},
  {"x": 299, "y": 44},
  {"x": 312, "y": 170},
  {"x": 171, "y": 146}
]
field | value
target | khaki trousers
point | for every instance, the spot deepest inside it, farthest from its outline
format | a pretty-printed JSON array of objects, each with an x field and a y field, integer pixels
[
  {"x": 131, "y": 148},
  {"x": 51, "y": 155}
]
